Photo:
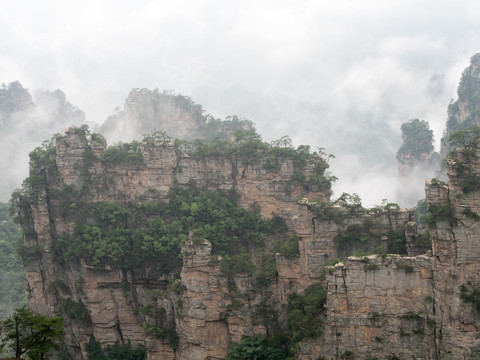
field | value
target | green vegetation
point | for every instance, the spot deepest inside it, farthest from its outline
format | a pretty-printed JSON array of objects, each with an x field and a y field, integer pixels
[
  {"x": 257, "y": 347},
  {"x": 288, "y": 248},
  {"x": 468, "y": 100},
  {"x": 221, "y": 130},
  {"x": 12, "y": 274},
  {"x": 158, "y": 324},
  {"x": 362, "y": 238},
  {"x": 440, "y": 213},
  {"x": 421, "y": 211},
  {"x": 417, "y": 140},
  {"x": 469, "y": 213},
  {"x": 59, "y": 286},
  {"x": 127, "y": 236},
  {"x": 468, "y": 140},
  {"x": 470, "y": 183},
  {"x": 158, "y": 136},
  {"x": 409, "y": 269},
  {"x": 25, "y": 332},
  {"x": 115, "y": 352},
  {"x": 470, "y": 294},
  {"x": 304, "y": 321},
  {"x": 127, "y": 154},
  {"x": 74, "y": 310},
  {"x": 465, "y": 138},
  {"x": 238, "y": 264},
  {"x": 248, "y": 147},
  {"x": 353, "y": 235},
  {"x": 365, "y": 237},
  {"x": 305, "y": 311},
  {"x": 42, "y": 165},
  {"x": 424, "y": 241}
]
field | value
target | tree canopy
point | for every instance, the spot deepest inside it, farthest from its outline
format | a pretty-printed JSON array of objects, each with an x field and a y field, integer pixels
[
  {"x": 12, "y": 274},
  {"x": 417, "y": 140},
  {"x": 32, "y": 334}
]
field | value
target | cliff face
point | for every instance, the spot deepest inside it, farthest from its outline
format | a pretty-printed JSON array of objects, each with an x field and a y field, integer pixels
[
  {"x": 413, "y": 307},
  {"x": 384, "y": 306},
  {"x": 147, "y": 111},
  {"x": 197, "y": 315},
  {"x": 376, "y": 306},
  {"x": 464, "y": 112}
]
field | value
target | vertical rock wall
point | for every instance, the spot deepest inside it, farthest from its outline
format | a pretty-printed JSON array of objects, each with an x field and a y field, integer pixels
[{"x": 205, "y": 308}]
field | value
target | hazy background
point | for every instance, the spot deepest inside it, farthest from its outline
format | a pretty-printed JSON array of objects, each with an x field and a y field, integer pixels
[{"x": 341, "y": 75}]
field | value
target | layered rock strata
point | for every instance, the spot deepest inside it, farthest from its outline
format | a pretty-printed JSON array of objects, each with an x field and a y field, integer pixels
[
  {"x": 423, "y": 307},
  {"x": 115, "y": 305}
]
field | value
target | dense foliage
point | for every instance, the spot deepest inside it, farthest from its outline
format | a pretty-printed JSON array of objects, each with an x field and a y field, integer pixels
[
  {"x": 217, "y": 129},
  {"x": 468, "y": 141},
  {"x": 304, "y": 312},
  {"x": 304, "y": 321},
  {"x": 417, "y": 140},
  {"x": 248, "y": 147},
  {"x": 25, "y": 332},
  {"x": 469, "y": 92},
  {"x": 127, "y": 236},
  {"x": 115, "y": 352},
  {"x": 361, "y": 238},
  {"x": 12, "y": 274},
  {"x": 257, "y": 347},
  {"x": 467, "y": 138},
  {"x": 123, "y": 153},
  {"x": 360, "y": 230},
  {"x": 444, "y": 212}
]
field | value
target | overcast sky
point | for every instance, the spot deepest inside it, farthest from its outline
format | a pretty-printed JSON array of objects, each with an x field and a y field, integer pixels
[{"x": 316, "y": 70}]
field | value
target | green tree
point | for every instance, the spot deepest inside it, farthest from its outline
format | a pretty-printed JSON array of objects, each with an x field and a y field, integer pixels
[
  {"x": 465, "y": 138},
  {"x": 305, "y": 310},
  {"x": 12, "y": 274},
  {"x": 417, "y": 140},
  {"x": 94, "y": 350},
  {"x": 255, "y": 347},
  {"x": 32, "y": 334}
]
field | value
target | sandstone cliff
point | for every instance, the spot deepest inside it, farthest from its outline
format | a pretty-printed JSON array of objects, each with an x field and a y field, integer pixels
[
  {"x": 413, "y": 307},
  {"x": 199, "y": 313}
]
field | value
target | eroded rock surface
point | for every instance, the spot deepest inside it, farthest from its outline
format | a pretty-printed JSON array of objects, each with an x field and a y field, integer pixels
[{"x": 377, "y": 306}]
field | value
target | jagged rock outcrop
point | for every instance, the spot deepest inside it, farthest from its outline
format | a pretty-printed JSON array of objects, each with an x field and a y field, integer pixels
[
  {"x": 205, "y": 309},
  {"x": 385, "y": 306},
  {"x": 147, "y": 111}
]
